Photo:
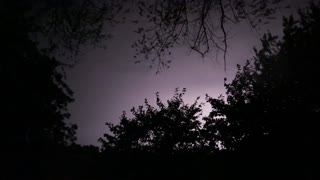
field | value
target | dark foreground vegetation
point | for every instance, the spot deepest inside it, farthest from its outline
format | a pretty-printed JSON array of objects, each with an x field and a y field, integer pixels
[{"x": 265, "y": 127}]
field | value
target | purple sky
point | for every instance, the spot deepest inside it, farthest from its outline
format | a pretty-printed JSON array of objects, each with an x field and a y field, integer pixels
[{"x": 107, "y": 82}]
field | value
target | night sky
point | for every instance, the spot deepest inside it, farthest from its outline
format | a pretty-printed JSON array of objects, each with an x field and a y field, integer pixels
[{"x": 107, "y": 82}]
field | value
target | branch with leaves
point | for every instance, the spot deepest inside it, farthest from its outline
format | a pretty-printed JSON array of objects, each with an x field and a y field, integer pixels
[{"x": 201, "y": 26}]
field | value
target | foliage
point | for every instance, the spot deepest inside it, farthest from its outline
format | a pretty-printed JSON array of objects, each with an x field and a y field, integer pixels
[
  {"x": 160, "y": 142},
  {"x": 34, "y": 95},
  {"x": 164, "y": 129},
  {"x": 272, "y": 105},
  {"x": 276, "y": 89}
]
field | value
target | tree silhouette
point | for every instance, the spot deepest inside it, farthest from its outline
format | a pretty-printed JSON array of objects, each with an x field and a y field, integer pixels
[
  {"x": 34, "y": 95},
  {"x": 273, "y": 103},
  {"x": 164, "y": 129},
  {"x": 159, "y": 142},
  {"x": 34, "y": 99}
]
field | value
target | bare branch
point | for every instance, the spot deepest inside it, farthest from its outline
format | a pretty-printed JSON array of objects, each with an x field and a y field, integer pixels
[
  {"x": 224, "y": 35},
  {"x": 198, "y": 25}
]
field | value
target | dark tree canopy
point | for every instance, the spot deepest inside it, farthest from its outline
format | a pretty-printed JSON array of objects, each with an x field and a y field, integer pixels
[
  {"x": 165, "y": 129},
  {"x": 278, "y": 87},
  {"x": 34, "y": 95},
  {"x": 272, "y": 105},
  {"x": 159, "y": 142}
]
